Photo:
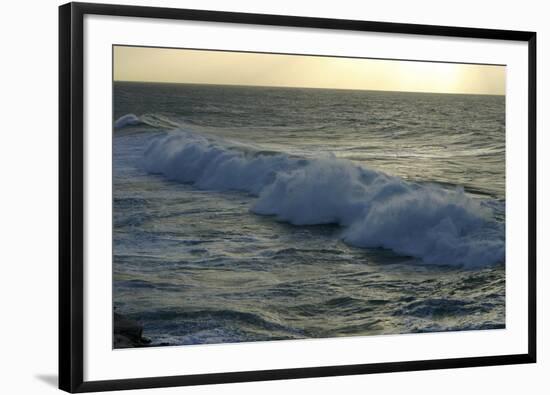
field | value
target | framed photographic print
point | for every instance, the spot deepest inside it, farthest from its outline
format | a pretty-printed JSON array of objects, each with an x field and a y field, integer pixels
[{"x": 253, "y": 197}]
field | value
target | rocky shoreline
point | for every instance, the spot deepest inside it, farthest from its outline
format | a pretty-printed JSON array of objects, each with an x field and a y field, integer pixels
[{"x": 128, "y": 333}]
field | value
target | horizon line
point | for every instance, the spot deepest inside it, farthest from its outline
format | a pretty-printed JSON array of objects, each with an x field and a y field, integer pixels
[{"x": 306, "y": 87}]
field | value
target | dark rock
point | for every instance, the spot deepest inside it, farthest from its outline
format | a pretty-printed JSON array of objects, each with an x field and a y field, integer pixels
[{"x": 127, "y": 333}]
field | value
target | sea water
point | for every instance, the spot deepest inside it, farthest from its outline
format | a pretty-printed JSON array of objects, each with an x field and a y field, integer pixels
[{"x": 258, "y": 213}]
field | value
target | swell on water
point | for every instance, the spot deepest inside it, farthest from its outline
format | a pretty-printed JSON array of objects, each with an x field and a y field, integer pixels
[
  {"x": 374, "y": 209},
  {"x": 153, "y": 120},
  {"x": 127, "y": 120}
]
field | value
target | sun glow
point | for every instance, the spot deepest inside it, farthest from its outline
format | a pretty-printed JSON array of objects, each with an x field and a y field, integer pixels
[{"x": 240, "y": 68}]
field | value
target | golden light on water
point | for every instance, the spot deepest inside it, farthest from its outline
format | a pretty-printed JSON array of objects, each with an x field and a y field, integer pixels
[{"x": 239, "y": 68}]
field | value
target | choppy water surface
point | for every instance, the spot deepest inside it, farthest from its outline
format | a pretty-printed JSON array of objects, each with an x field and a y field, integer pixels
[{"x": 247, "y": 213}]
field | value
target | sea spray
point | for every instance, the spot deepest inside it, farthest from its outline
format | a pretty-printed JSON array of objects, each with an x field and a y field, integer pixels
[{"x": 426, "y": 221}]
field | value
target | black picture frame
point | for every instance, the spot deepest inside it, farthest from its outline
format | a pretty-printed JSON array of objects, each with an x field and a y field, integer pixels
[{"x": 71, "y": 195}]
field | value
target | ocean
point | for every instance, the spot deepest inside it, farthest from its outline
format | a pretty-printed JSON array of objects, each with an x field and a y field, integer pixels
[{"x": 255, "y": 213}]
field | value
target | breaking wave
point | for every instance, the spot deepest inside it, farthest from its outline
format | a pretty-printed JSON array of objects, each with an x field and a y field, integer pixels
[
  {"x": 127, "y": 120},
  {"x": 374, "y": 209},
  {"x": 153, "y": 120}
]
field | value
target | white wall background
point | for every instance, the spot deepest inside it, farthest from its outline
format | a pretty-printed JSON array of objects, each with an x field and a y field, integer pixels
[{"x": 28, "y": 198}]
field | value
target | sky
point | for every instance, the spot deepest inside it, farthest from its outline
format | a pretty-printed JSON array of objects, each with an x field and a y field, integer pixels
[{"x": 241, "y": 68}]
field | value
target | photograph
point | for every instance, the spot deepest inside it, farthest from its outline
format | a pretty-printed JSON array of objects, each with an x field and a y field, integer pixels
[{"x": 262, "y": 197}]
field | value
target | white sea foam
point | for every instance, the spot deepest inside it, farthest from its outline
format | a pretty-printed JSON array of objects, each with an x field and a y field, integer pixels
[{"x": 438, "y": 225}]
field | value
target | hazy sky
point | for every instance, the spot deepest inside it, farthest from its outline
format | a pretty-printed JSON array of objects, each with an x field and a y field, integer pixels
[{"x": 238, "y": 68}]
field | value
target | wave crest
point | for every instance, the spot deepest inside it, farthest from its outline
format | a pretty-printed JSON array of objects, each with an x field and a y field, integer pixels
[
  {"x": 152, "y": 120},
  {"x": 127, "y": 120},
  {"x": 375, "y": 209}
]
